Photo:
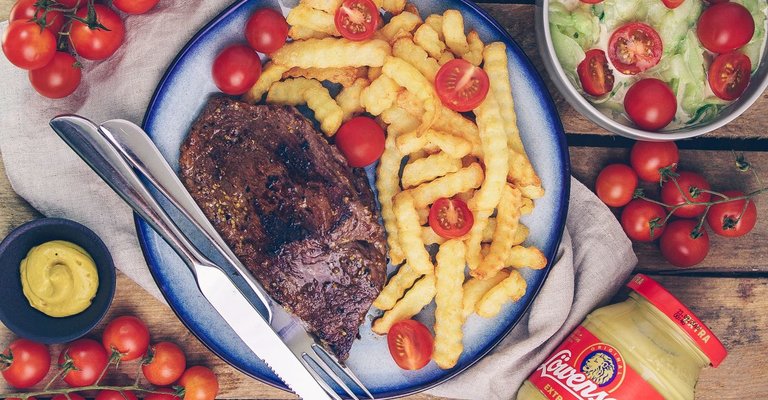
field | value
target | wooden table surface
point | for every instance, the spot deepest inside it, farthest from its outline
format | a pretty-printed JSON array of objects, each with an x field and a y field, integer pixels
[{"x": 728, "y": 291}]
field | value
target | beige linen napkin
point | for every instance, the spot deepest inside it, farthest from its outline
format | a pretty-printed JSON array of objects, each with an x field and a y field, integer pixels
[{"x": 595, "y": 257}]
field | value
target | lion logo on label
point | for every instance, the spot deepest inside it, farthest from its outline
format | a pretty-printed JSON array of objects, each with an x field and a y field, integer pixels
[{"x": 600, "y": 367}]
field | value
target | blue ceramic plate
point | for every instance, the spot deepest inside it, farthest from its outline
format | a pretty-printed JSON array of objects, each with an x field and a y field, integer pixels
[{"x": 181, "y": 95}]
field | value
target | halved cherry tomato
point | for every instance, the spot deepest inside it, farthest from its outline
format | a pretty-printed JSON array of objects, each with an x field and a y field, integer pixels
[
  {"x": 634, "y": 48},
  {"x": 97, "y": 43},
  {"x": 734, "y": 218},
  {"x": 672, "y": 195},
  {"x": 27, "y": 46},
  {"x": 26, "y": 10},
  {"x": 729, "y": 75},
  {"x": 236, "y": 69},
  {"x": 650, "y": 104},
  {"x": 450, "y": 218},
  {"x": 361, "y": 140},
  {"x": 725, "y": 27},
  {"x": 134, "y": 6},
  {"x": 673, "y": 3},
  {"x": 59, "y": 78},
  {"x": 266, "y": 30},
  {"x": 682, "y": 245},
  {"x": 461, "y": 86},
  {"x": 637, "y": 217},
  {"x": 594, "y": 73},
  {"x": 616, "y": 185},
  {"x": 648, "y": 158},
  {"x": 357, "y": 19},
  {"x": 25, "y": 363},
  {"x": 410, "y": 344}
]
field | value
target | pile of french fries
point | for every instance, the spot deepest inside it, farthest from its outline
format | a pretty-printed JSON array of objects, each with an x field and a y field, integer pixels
[{"x": 483, "y": 162}]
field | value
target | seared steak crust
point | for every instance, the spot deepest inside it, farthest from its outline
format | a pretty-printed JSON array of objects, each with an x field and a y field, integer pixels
[{"x": 292, "y": 210}]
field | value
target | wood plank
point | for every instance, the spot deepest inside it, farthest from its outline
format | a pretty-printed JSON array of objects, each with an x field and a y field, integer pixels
[{"x": 726, "y": 254}]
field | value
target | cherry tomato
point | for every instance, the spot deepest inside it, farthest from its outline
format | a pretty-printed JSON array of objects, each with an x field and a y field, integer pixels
[
  {"x": 635, "y": 47},
  {"x": 671, "y": 195},
  {"x": 410, "y": 344},
  {"x": 357, "y": 19},
  {"x": 27, "y": 46},
  {"x": 681, "y": 246},
  {"x": 72, "y": 396},
  {"x": 169, "y": 394},
  {"x": 199, "y": 383},
  {"x": 164, "y": 364},
  {"x": 25, "y": 363},
  {"x": 236, "y": 69},
  {"x": 17, "y": 398},
  {"x": 361, "y": 140},
  {"x": 266, "y": 30},
  {"x": 725, "y": 27},
  {"x": 450, "y": 218},
  {"x": 673, "y": 3},
  {"x": 134, "y": 6},
  {"x": 650, "y": 104},
  {"x": 734, "y": 218},
  {"x": 128, "y": 336},
  {"x": 647, "y": 158},
  {"x": 97, "y": 43},
  {"x": 594, "y": 73},
  {"x": 460, "y": 85},
  {"x": 729, "y": 75},
  {"x": 88, "y": 358},
  {"x": 26, "y": 10},
  {"x": 115, "y": 395},
  {"x": 637, "y": 217},
  {"x": 616, "y": 185},
  {"x": 57, "y": 79}
]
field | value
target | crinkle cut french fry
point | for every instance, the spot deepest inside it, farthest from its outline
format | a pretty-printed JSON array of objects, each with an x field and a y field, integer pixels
[
  {"x": 329, "y": 6},
  {"x": 521, "y": 233},
  {"x": 291, "y": 91},
  {"x": 428, "y": 39},
  {"x": 271, "y": 74},
  {"x": 410, "y": 142},
  {"x": 447, "y": 186},
  {"x": 317, "y": 20},
  {"x": 387, "y": 186},
  {"x": 373, "y": 73},
  {"x": 449, "y": 277},
  {"x": 404, "y": 22},
  {"x": 528, "y": 205},
  {"x": 410, "y": 102},
  {"x": 345, "y": 76},
  {"x": 407, "y": 76},
  {"x": 445, "y": 57},
  {"x": 475, "y": 289},
  {"x": 423, "y": 215},
  {"x": 521, "y": 172},
  {"x": 451, "y": 144},
  {"x": 411, "y": 8},
  {"x": 507, "y": 220},
  {"x": 301, "y": 90},
  {"x": 421, "y": 294},
  {"x": 349, "y": 98},
  {"x": 495, "y": 156},
  {"x": 409, "y": 231},
  {"x": 526, "y": 257},
  {"x": 401, "y": 281},
  {"x": 379, "y": 95},
  {"x": 298, "y": 32},
  {"x": 405, "y": 49},
  {"x": 453, "y": 122},
  {"x": 453, "y": 32},
  {"x": 332, "y": 53},
  {"x": 393, "y": 6},
  {"x": 512, "y": 288},
  {"x": 436, "y": 22},
  {"x": 399, "y": 120},
  {"x": 476, "y": 46},
  {"x": 429, "y": 168},
  {"x": 429, "y": 236}
]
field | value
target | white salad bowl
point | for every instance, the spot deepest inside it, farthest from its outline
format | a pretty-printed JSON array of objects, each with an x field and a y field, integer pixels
[{"x": 757, "y": 86}]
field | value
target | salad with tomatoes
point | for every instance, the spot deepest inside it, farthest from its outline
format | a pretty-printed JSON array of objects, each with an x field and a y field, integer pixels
[{"x": 659, "y": 64}]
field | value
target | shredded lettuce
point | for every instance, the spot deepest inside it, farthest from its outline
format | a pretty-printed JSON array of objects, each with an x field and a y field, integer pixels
[
  {"x": 673, "y": 25},
  {"x": 618, "y": 12},
  {"x": 568, "y": 51},
  {"x": 579, "y": 24}
]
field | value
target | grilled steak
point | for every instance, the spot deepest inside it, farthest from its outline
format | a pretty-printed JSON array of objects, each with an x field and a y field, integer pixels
[{"x": 293, "y": 211}]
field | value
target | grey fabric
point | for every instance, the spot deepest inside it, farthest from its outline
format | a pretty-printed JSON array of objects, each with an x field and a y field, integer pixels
[{"x": 594, "y": 259}]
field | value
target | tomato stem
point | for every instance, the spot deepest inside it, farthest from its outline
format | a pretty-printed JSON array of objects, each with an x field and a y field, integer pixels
[{"x": 67, "y": 391}]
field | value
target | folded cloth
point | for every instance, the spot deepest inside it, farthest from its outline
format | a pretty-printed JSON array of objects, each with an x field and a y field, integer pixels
[{"x": 594, "y": 259}]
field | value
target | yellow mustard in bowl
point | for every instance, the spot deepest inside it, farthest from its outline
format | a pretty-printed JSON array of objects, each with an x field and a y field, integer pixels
[{"x": 59, "y": 278}]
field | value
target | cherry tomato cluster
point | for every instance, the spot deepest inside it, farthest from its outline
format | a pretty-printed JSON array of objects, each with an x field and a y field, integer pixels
[
  {"x": 687, "y": 201},
  {"x": 45, "y": 37},
  {"x": 84, "y": 362},
  {"x": 723, "y": 28}
]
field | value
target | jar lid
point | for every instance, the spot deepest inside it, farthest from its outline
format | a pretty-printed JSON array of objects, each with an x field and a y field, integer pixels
[{"x": 679, "y": 314}]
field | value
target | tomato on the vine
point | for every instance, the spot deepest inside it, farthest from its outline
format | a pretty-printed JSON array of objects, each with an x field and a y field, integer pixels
[
  {"x": 594, "y": 73},
  {"x": 167, "y": 394},
  {"x": 27, "y": 46},
  {"x": 642, "y": 220},
  {"x": 460, "y": 85},
  {"x": 134, "y": 6},
  {"x": 266, "y": 30},
  {"x": 164, "y": 364},
  {"x": 361, "y": 140},
  {"x": 26, "y": 10},
  {"x": 616, "y": 185},
  {"x": 59, "y": 78},
  {"x": 25, "y": 363},
  {"x": 635, "y": 47},
  {"x": 674, "y": 196},
  {"x": 725, "y": 27},
  {"x": 357, "y": 19},
  {"x": 115, "y": 395},
  {"x": 199, "y": 383},
  {"x": 729, "y": 75},
  {"x": 734, "y": 218},
  {"x": 97, "y": 43},
  {"x": 236, "y": 69},
  {"x": 410, "y": 344},
  {"x": 648, "y": 158},
  {"x": 450, "y": 218},
  {"x": 682, "y": 245},
  {"x": 650, "y": 104},
  {"x": 126, "y": 335},
  {"x": 71, "y": 3},
  {"x": 88, "y": 359}
]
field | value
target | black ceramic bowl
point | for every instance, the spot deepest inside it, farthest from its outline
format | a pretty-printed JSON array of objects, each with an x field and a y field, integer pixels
[{"x": 15, "y": 311}]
